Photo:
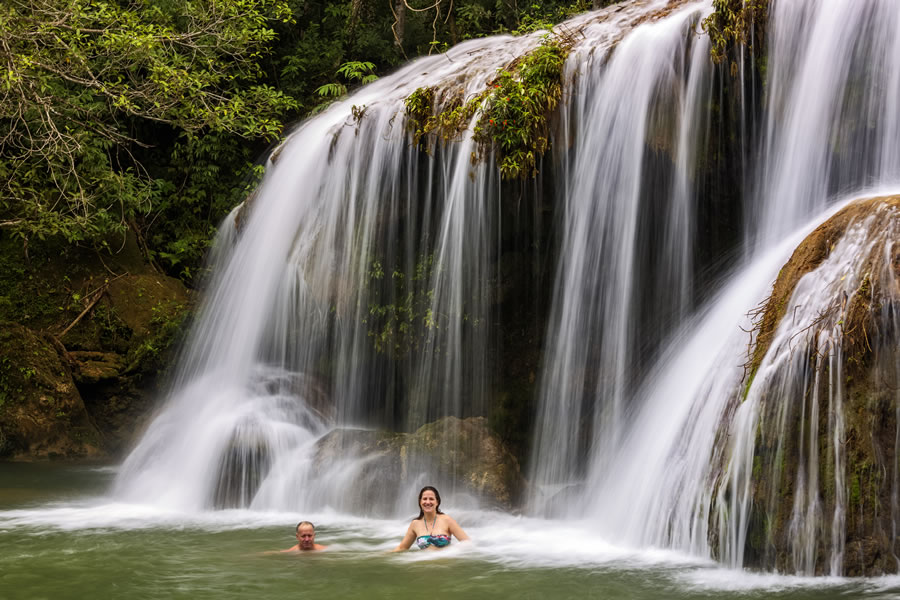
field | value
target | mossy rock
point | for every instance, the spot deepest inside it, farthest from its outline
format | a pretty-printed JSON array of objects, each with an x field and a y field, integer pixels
[
  {"x": 125, "y": 347},
  {"x": 41, "y": 412},
  {"x": 866, "y": 380},
  {"x": 43, "y": 283},
  {"x": 461, "y": 455},
  {"x": 94, "y": 367},
  {"x": 806, "y": 258},
  {"x": 115, "y": 321}
]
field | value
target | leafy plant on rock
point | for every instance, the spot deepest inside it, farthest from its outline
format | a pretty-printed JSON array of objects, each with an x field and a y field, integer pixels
[
  {"x": 361, "y": 72},
  {"x": 513, "y": 112},
  {"x": 515, "y": 116},
  {"x": 734, "y": 22}
]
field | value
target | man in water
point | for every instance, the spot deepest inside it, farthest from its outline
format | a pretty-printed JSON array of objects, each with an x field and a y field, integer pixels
[{"x": 306, "y": 539}]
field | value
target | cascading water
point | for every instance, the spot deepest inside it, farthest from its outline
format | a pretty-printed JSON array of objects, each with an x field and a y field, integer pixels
[
  {"x": 796, "y": 402},
  {"x": 649, "y": 94},
  {"x": 832, "y": 122},
  {"x": 316, "y": 275},
  {"x": 358, "y": 289},
  {"x": 356, "y": 294},
  {"x": 653, "y": 468}
]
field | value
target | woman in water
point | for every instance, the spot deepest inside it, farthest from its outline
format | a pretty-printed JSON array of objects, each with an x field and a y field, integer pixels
[{"x": 432, "y": 528}]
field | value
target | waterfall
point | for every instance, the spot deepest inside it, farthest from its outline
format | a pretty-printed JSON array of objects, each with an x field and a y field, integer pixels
[
  {"x": 832, "y": 122},
  {"x": 356, "y": 246},
  {"x": 642, "y": 445},
  {"x": 795, "y": 405},
  {"x": 636, "y": 120},
  {"x": 359, "y": 288}
]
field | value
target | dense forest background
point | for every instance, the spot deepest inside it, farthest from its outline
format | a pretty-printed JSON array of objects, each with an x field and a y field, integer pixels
[{"x": 151, "y": 117}]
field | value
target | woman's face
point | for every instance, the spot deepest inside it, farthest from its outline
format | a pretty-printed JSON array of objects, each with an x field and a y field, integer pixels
[{"x": 428, "y": 502}]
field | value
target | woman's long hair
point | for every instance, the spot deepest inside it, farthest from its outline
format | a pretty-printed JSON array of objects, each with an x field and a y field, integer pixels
[{"x": 437, "y": 496}]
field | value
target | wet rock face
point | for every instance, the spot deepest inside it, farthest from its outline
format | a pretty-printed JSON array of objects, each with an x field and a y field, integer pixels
[
  {"x": 461, "y": 455},
  {"x": 41, "y": 412},
  {"x": 119, "y": 350},
  {"x": 94, "y": 367},
  {"x": 89, "y": 333},
  {"x": 824, "y": 488}
]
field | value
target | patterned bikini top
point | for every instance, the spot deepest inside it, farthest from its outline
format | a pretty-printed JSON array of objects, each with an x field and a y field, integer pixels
[{"x": 438, "y": 541}]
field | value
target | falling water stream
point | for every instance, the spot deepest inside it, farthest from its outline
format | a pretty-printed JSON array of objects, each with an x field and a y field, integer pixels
[{"x": 359, "y": 246}]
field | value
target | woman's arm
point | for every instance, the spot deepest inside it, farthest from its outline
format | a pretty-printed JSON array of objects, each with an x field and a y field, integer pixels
[
  {"x": 457, "y": 531},
  {"x": 407, "y": 541}
]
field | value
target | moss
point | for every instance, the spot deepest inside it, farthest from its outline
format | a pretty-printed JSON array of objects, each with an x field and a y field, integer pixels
[
  {"x": 44, "y": 285},
  {"x": 855, "y": 494},
  {"x": 807, "y": 257},
  {"x": 166, "y": 327},
  {"x": 869, "y": 410},
  {"x": 41, "y": 412}
]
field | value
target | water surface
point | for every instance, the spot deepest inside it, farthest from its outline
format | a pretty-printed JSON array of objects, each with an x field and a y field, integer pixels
[{"x": 63, "y": 538}]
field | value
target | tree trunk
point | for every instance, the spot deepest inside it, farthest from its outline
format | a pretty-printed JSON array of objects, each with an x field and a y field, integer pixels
[{"x": 399, "y": 23}]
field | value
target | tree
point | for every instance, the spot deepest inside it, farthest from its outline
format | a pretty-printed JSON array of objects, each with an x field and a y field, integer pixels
[{"x": 86, "y": 86}]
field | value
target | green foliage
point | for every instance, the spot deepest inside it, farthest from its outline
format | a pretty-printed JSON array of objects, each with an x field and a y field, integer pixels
[
  {"x": 448, "y": 124},
  {"x": 515, "y": 118},
  {"x": 401, "y": 325},
  {"x": 113, "y": 118},
  {"x": 200, "y": 178},
  {"x": 733, "y": 22},
  {"x": 361, "y": 72},
  {"x": 89, "y": 86},
  {"x": 167, "y": 324},
  {"x": 478, "y": 18},
  {"x": 512, "y": 112},
  {"x": 535, "y": 18},
  {"x": 420, "y": 112},
  {"x": 31, "y": 297},
  {"x": 332, "y": 90}
]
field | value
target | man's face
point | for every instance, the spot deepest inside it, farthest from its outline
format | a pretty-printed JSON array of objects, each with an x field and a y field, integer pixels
[{"x": 306, "y": 536}]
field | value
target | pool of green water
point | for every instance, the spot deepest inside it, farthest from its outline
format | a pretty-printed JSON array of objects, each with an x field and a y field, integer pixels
[{"x": 60, "y": 538}]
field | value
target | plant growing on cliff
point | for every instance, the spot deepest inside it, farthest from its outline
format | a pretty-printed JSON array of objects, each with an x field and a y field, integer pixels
[
  {"x": 734, "y": 22},
  {"x": 399, "y": 313},
  {"x": 447, "y": 124},
  {"x": 513, "y": 112},
  {"x": 515, "y": 116}
]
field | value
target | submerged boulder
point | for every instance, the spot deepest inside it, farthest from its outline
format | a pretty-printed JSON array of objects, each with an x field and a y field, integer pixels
[
  {"x": 462, "y": 455},
  {"x": 825, "y": 388}
]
